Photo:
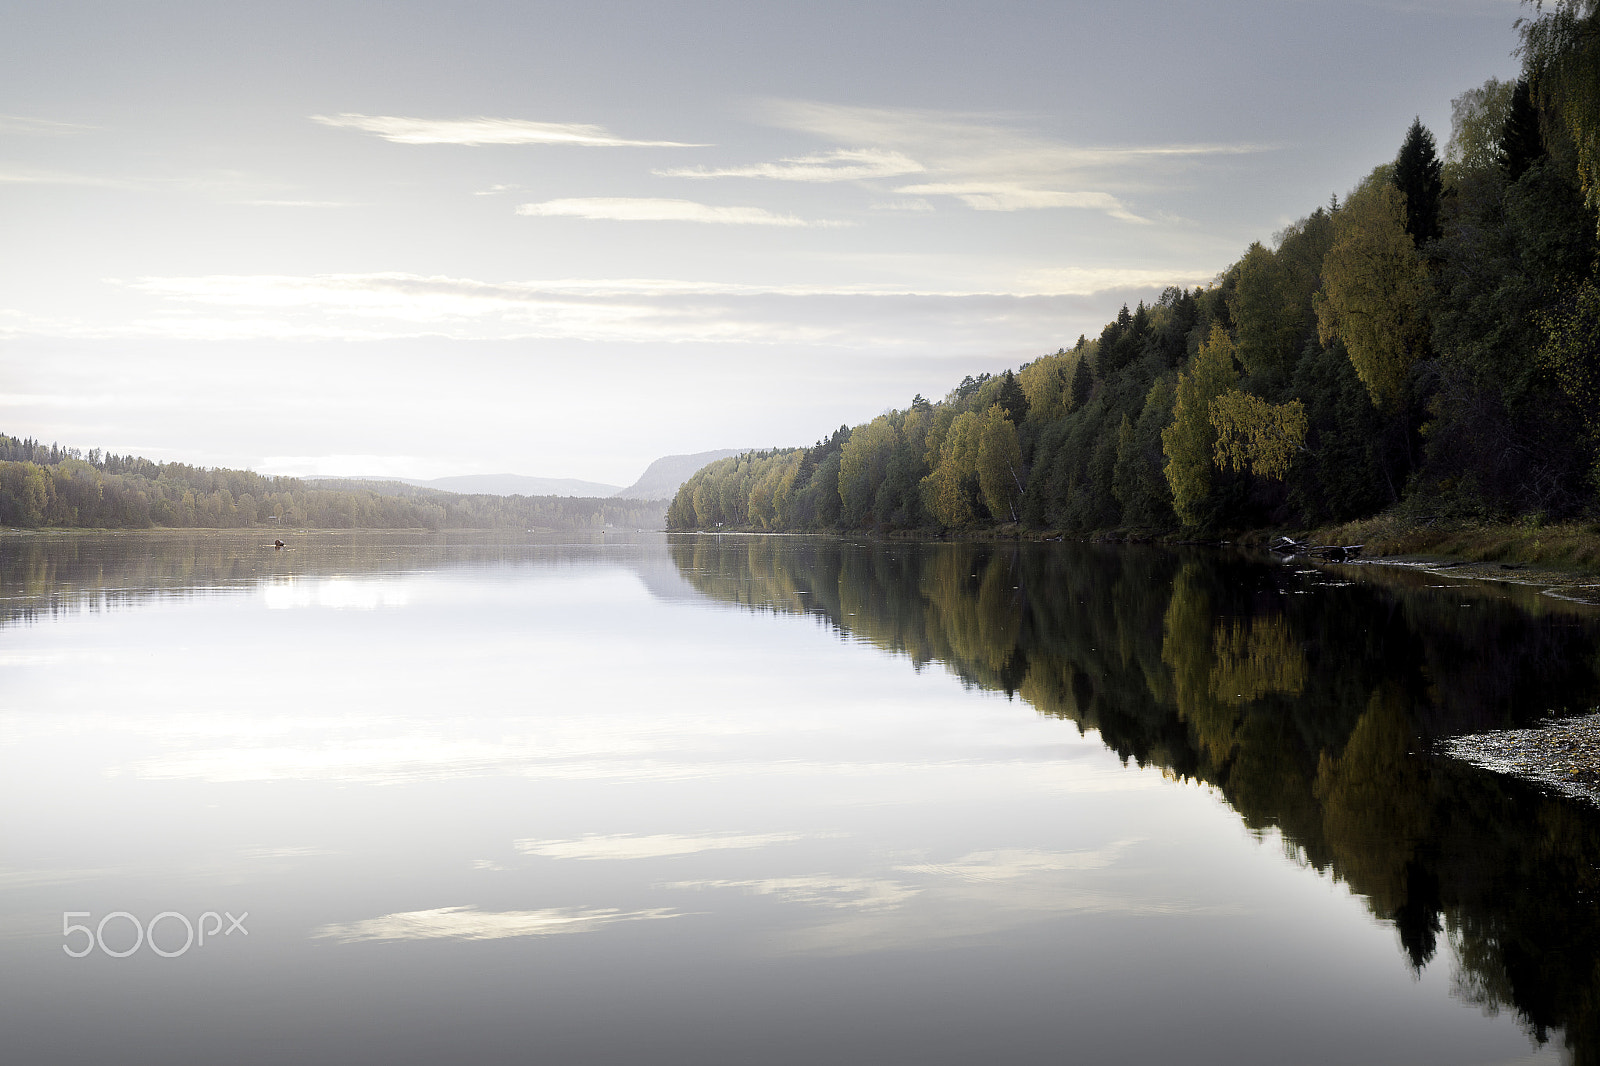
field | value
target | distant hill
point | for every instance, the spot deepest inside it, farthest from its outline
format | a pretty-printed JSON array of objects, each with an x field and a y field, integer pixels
[
  {"x": 68, "y": 488},
  {"x": 501, "y": 485},
  {"x": 661, "y": 478}
]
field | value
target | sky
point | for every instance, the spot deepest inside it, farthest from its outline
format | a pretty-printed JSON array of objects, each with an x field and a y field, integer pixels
[{"x": 420, "y": 239}]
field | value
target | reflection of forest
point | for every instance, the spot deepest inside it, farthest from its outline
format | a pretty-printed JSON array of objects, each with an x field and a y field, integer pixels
[
  {"x": 1305, "y": 701},
  {"x": 43, "y": 575}
]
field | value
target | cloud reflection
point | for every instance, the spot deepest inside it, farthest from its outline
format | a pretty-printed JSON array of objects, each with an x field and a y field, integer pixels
[
  {"x": 1008, "y": 864},
  {"x": 654, "y": 846},
  {"x": 861, "y": 893},
  {"x": 981, "y": 894},
  {"x": 469, "y": 923},
  {"x": 339, "y": 593}
]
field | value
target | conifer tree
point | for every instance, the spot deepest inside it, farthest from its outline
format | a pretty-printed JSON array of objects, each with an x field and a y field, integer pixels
[
  {"x": 1417, "y": 176},
  {"x": 1521, "y": 142},
  {"x": 1082, "y": 383}
]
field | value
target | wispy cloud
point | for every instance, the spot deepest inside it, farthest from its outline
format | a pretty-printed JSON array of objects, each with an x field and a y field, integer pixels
[
  {"x": 1005, "y": 308},
  {"x": 630, "y": 209},
  {"x": 296, "y": 203},
  {"x": 844, "y": 164},
  {"x": 1014, "y": 196},
  {"x": 41, "y": 127},
  {"x": 485, "y": 130},
  {"x": 987, "y": 162},
  {"x": 469, "y": 923},
  {"x": 439, "y": 296},
  {"x": 652, "y": 846},
  {"x": 31, "y": 176}
]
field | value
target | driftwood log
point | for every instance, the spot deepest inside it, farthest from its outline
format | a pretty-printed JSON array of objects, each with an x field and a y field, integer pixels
[{"x": 1290, "y": 548}]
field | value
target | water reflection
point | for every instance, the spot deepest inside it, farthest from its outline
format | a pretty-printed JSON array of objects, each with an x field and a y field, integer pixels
[
  {"x": 1308, "y": 701},
  {"x": 482, "y": 795}
]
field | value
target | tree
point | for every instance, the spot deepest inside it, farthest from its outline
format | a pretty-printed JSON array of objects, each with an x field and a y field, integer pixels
[
  {"x": 1561, "y": 60},
  {"x": 1417, "y": 176},
  {"x": 1082, "y": 382},
  {"x": 1572, "y": 351},
  {"x": 1373, "y": 281},
  {"x": 1253, "y": 433},
  {"x": 1190, "y": 441},
  {"x": 1264, "y": 328},
  {"x": 1047, "y": 384},
  {"x": 1477, "y": 119},
  {"x": 863, "y": 464},
  {"x": 1000, "y": 465},
  {"x": 1012, "y": 397},
  {"x": 1521, "y": 141},
  {"x": 1137, "y": 480},
  {"x": 951, "y": 490}
]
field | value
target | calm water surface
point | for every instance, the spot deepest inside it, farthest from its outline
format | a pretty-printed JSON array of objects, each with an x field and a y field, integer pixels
[{"x": 789, "y": 800}]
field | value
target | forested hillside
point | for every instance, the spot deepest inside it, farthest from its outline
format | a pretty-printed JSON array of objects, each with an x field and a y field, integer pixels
[
  {"x": 65, "y": 488},
  {"x": 1430, "y": 344}
]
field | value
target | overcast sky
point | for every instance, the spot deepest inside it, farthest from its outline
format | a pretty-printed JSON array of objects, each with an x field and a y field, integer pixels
[{"x": 563, "y": 239}]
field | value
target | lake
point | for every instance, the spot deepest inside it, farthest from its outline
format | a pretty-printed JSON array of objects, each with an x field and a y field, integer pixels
[{"x": 410, "y": 798}]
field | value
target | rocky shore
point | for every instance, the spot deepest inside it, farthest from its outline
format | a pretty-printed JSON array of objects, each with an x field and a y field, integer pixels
[{"x": 1562, "y": 755}]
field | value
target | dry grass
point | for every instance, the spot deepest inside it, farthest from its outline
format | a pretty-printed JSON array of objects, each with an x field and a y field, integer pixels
[{"x": 1566, "y": 546}]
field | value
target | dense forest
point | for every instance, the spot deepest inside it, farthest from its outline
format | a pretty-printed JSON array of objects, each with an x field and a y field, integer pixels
[
  {"x": 68, "y": 488},
  {"x": 1429, "y": 345}
]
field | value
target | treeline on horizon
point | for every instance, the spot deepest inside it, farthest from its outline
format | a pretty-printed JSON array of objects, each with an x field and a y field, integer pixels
[
  {"x": 56, "y": 487},
  {"x": 1430, "y": 345}
]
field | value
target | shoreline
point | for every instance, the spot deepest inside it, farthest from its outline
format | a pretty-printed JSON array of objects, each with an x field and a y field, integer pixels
[{"x": 1570, "y": 586}]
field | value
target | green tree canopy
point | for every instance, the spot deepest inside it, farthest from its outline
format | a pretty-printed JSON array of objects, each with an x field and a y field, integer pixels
[
  {"x": 1373, "y": 282},
  {"x": 1190, "y": 441},
  {"x": 1561, "y": 60}
]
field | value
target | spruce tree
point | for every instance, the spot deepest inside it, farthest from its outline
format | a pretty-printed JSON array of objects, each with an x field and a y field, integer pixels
[
  {"x": 1082, "y": 384},
  {"x": 1012, "y": 399},
  {"x": 1521, "y": 141},
  {"x": 1417, "y": 176}
]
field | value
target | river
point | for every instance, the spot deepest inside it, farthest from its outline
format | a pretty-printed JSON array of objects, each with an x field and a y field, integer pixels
[{"x": 414, "y": 798}]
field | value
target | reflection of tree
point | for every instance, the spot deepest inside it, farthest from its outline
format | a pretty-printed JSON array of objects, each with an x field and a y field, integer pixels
[
  {"x": 1256, "y": 658},
  {"x": 1187, "y": 649},
  {"x": 1204, "y": 665},
  {"x": 1220, "y": 664},
  {"x": 1375, "y": 803}
]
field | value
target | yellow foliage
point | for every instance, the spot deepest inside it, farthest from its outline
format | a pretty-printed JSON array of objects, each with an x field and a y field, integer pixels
[
  {"x": 1253, "y": 433},
  {"x": 951, "y": 488},
  {"x": 1373, "y": 282},
  {"x": 1189, "y": 441},
  {"x": 1047, "y": 383},
  {"x": 1257, "y": 659},
  {"x": 1000, "y": 465}
]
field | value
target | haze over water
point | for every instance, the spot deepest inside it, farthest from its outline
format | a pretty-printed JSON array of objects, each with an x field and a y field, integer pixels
[{"x": 775, "y": 799}]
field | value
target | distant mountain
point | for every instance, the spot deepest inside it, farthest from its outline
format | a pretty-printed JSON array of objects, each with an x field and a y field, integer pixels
[
  {"x": 503, "y": 485},
  {"x": 661, "y": 478}
]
